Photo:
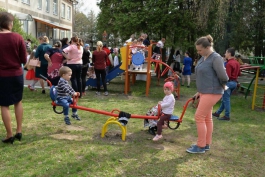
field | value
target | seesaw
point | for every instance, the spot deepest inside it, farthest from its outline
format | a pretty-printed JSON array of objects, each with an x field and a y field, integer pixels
[{"x": 114, "y": 117}]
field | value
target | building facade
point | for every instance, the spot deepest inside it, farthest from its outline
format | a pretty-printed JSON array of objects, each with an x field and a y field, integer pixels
[{"x": 52, "y": 18}]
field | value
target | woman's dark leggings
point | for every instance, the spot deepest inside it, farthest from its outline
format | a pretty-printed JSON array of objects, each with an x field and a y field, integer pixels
[
  {"x": 101, "y": 73},
  {"x": 83, "y": 78},
  {"x": 76, "y": 77}
]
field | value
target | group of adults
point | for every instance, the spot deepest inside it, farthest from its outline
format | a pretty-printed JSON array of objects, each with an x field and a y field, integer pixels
[
  {"x": 13, "y": 54},
  {"x": 77, "y": 56},
  {"x": 72, "y": 53},
  {"x": 212, "y": 80}
]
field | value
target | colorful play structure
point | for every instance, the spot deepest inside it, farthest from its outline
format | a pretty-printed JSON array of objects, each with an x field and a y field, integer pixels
[
  {"x": 257, "y": 65},
  {"x": 128, "y": 60},
  {"x": 114, "y": 114},
  {"x": 258, "y": 99},
  {"x": 126, "y": 67}
]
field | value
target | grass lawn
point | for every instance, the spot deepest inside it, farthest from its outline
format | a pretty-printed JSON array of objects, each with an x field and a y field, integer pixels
[{"x": 51, "y": 148}]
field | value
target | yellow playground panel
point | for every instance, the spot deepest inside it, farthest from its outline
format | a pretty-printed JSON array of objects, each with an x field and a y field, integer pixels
[
  {"x": 126, "y": 61},
  {"x": 258, "y": 99}
]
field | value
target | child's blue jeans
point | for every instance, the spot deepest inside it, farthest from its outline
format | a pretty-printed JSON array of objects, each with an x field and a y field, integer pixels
[{"x": 65, "y": 102}]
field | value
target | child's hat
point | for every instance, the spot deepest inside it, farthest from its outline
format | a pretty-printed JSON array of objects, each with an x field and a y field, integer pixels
[{"x": 169, "y": 85}]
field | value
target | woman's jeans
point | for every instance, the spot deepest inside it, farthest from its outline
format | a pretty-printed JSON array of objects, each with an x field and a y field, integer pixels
[
  {"x": 203, "y": 118},
  {"x": 65, "y": 103},
  {"x": 76, "y": 77},
  {"x": 225, "y": 104}
]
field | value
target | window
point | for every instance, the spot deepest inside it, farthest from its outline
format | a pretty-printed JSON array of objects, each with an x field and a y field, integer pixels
[
  {"x": 25, "y": 26},
  {"x": 26, "y": 1},
  {"x": 63, "y": 11},
  {"x": 55, "y": 7},
  {"x": 68, "y": 12},
  {"x": 68, "y": 34},
  {"x": 47, "y": 3},
  {"x": 39, "y": 4},
  {"x": 54, "y": 33},
  {"x": 62, "y": 34}
]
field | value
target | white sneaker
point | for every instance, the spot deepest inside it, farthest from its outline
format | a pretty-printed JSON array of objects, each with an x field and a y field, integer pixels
[
  {"x": 106, "y": 93},
  {"x": 97, "y": 93},
  {"x": 157, "y": 137}
]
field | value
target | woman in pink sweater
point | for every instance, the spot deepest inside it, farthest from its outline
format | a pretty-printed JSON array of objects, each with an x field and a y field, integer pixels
[{"x": 73, "y": 53}]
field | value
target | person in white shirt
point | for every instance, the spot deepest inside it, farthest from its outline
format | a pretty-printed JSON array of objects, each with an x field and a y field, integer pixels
[
  {"x": 116, "y": 58},
  {"x": 167, "y": 106},
  {"x": 90, "y": 55}
]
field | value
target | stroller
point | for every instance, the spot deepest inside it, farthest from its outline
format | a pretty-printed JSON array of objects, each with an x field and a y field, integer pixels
[{"x": 152, "y": 124}]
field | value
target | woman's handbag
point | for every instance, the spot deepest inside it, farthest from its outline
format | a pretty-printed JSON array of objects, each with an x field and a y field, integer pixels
[{"x": 35, "y": 63}]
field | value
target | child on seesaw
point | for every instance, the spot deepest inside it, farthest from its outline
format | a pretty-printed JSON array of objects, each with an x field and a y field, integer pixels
[
  {"x": 65, "y": 93},
  {"x": 175, "y": 78},
  {"x": 167, "y": 106}
]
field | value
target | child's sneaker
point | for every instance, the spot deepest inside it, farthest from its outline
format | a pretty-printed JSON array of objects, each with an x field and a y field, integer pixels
[
  {"x": 31, "y": 88},
  {"x": 157, "y": 137},
  {"x": 106, "y": 93},
  {"x": 67, "y": 121},
  {"x": 76, "y": 117}
]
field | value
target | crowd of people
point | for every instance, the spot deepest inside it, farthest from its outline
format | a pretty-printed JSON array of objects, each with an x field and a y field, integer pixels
[{"x": 73, "y": 61}]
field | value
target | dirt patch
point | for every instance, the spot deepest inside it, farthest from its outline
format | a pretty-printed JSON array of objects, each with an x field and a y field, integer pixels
[
  {"x": 79, "y": 128},
  {"x": 65, "y": 136}
]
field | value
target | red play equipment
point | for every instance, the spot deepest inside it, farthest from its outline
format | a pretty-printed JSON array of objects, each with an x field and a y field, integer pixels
[
  {"x": 128, "y": 58},
  {"x": 114, "y": 116}
]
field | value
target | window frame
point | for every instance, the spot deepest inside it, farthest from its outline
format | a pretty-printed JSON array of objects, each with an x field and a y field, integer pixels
[
  {"x": 47, "y": 3},
  {"x": 55, "y": 7},
  {"x": 68, "y": 16},
  {"x": 62, "y": 33},
  {"x": 39, "y": 4},
  {"x": 26, "y": 1},
  {"x": 63, "y": 10}
]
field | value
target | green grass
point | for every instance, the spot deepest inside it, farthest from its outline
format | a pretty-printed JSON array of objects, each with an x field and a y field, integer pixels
[{"x": 51, "y": 148}]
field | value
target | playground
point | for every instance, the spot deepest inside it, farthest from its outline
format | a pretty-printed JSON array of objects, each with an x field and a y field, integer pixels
[{"x": 51, "y": 148}]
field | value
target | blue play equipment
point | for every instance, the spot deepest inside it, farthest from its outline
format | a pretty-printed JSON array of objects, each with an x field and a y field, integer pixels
[
  {"x": 138, "y": 58},
  {"x": 114, "y": 72}
]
